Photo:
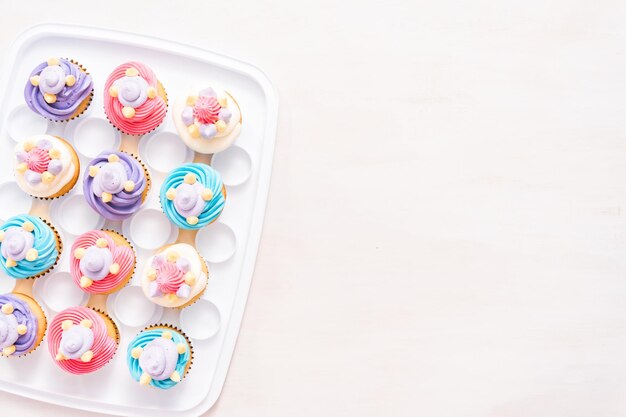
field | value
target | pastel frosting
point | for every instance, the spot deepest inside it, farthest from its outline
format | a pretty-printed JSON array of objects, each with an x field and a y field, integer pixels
[
  {"x": 28, "y": 247},
  {"x": 131, "y": 99},
  {"x": 79, "y": 342},
  {"x": 98, "y": 265},
  {"x": 18, "y": 326},
  {"x": 56, "y": 88},
  {"x": 114, "y": 183},
  {"x": 208, "y": 120},
  {"x": 174, "y": 275},
  {"x": 193, "y": 196},
  {"x": 44, "y": 165},
  {"x": 158, "y": 357}
]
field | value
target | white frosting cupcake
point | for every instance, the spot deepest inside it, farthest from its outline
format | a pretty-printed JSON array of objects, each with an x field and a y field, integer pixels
[{"x": 208, "y": 120}]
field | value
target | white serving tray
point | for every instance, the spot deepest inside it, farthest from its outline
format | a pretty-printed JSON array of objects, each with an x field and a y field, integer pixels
[{"x": 230, "y": 245}]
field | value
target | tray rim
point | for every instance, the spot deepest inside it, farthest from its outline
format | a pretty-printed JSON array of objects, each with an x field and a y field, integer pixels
[{"x": 30, "y": 34}]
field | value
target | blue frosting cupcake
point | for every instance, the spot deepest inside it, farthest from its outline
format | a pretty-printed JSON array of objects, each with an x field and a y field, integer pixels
[
  {"x": 159, "y": 356},
  {"x": 193, "y": 196},
  {"x": 29, "y": 247}
]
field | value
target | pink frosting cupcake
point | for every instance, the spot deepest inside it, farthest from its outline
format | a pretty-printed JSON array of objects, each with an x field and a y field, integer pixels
[
  {"x": 102, "y": 261},
  {"x": 135, "y": 102},
  {"x": 82, "y": 340}
]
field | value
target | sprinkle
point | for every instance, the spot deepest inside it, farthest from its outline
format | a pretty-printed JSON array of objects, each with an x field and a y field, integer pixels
[
  {"x": 181, "y": 348},
  {"x": 28, "y": 226},
  {"x": 67, "y": 324},
  {"x": 132, "y": 72},
  {"x": 93, "y": 170},
  {"x": 54, "y": 153},
  {"x": 171, "y": 194},
  {"x": 50, "y": 98},
  {"x": 129, "y": 186},
  {"x": 106, "y": 197},
  {"x": 10, "y": 263},
  {"x": 190, "y": 178},
  {"x": 70, "y": 80},
  {"x": 102, "y": 243},
  {"x": 85, "y": 282},
  {"x": 47, "y": 177},
  {"x": 79, "y": 253},
  {"x": 114, "y": 269},
  {"x": 21, "y": 168},
  {"x": 113, "y": 158},
  {"x": 207, "y": 194},
  {"x": 8, "y": 350},
  {"x": 192, "y": 220},
  {"x": 145, "y": 379},
  {"x": 34, "y": 80},
  {"x": 172, "y": 256},
  {"x": 22, "y": 329},
  {"x": 113, "y": 91},
  {"x": 136, "y": 352},
  {"x": 175, "y": 376},
  {"x": 194, "y": 130},
  {"x": 86, "y": 323},
  {"x": 7, "y": 308},
  {"x": 32, "y": 255},
  {"x": 53, "y": 61},
  {"x": 167, "y": 335},
  {"x": 87, "y": 356},
  {"x": 152, "y": 92},
  {"x": 220, "y": 126},
  {"x": 128, "y": 112}
]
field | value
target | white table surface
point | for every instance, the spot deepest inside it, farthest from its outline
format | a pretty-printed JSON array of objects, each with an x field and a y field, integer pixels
[{"x": 445, "y": 234}]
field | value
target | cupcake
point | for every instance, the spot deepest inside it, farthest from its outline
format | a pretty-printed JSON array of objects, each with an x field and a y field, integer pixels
[
  {"x": 134, "y": 100},
  {"x": 59, "y": 89},
  {"x": 22, "y": 324},
  {"x": 193, "y": 196},
  {"x": 82, "y": 340},
  {"x": 102, "y": 261},
  {"x": 46, "y": 166},
  {"x": 207, "y": 120},
  {"x": 159, "y": 356},
  {"x": 176, "y": 276},
  {"x": 116, "y": 184},
  {"x": 29, "y": 247}
]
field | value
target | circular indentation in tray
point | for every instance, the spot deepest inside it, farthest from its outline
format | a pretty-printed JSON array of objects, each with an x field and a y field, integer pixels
[
  {"x": 23, "y": 122},
  {"x": 149, "y": 228},
  {"x": 60, "y": 292},
  {"x": 75, "y": 216},
  {"x": 164, "y": 151},
  {"x": 216, "y": 242},
  {"x": 93, "y": 135},
  {"x": 201, "y": 320},
  {"x": 234, "y": 164},
  {"x": 133, "y": 309},
  {"x": 15, "y": 200}
]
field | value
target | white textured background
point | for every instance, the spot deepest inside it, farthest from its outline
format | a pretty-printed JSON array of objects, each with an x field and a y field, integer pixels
[{"x": 445, "y": 234}]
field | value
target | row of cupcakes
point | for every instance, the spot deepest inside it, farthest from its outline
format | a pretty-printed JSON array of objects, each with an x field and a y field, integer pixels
[
  {"x": 208, "y": 119},
  {"x": 83, "y": 340},
  {"x": 116, "y": 183}
]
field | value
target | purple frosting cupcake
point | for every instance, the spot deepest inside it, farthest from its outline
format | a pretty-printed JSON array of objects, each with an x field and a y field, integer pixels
[
  {"x": 59, "y": 89},
  {"x": 116, "y": 185},
  {"x": 22, "y": 324}
]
